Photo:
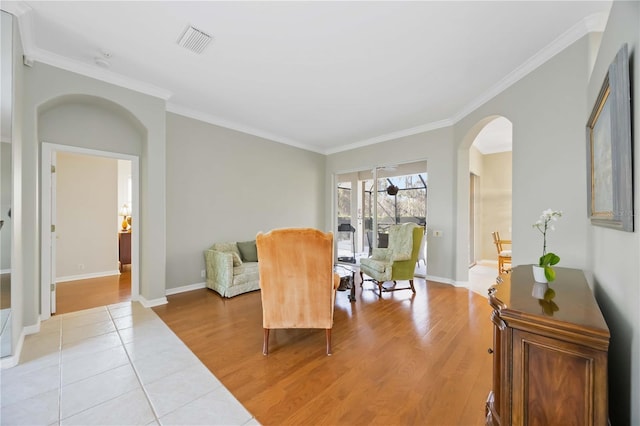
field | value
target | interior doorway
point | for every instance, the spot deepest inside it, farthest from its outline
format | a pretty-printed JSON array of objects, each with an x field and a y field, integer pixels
[
  {"x": 490, "y": 191},
  {"x": 81, "y": 226}
]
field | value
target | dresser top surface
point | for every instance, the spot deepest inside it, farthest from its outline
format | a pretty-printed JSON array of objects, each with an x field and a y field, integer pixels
[{"x": 570, "y": 303}]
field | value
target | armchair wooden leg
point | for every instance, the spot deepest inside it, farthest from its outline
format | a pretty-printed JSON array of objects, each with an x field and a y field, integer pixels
[
  {"x": 413, "y": 289},
  {"x": 328, "y": 337},
  {"x": 265, "y": 343},
  {"x": 379, "y": 288}
]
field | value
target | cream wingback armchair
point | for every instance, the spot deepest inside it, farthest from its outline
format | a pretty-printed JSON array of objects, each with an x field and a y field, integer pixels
[
  {"x": 398, "y": 261},
  {"x": 297, "y": 280}
]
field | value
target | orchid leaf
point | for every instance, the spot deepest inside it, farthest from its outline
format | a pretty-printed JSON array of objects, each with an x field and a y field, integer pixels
[{"x": 549, "y": 273}]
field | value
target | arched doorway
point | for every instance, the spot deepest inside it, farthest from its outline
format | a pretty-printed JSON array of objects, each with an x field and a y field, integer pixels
[
  {"x": 484, "y": 195},
  {"x": 77, "y": 120}
]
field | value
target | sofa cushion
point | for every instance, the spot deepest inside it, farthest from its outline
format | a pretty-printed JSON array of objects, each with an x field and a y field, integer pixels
[
  {"x": 246, "y": 273},
  {"x": 226, "y": 247},
  {"x": 248, "y": 251},
  {"x": 237, "y": 261}
]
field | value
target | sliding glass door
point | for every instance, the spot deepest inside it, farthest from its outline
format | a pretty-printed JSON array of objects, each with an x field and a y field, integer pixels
[{"x": 370, "y": 201}]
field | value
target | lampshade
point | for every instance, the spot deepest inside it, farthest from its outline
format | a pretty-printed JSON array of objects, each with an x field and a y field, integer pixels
[{"x": 125, "y": 210}]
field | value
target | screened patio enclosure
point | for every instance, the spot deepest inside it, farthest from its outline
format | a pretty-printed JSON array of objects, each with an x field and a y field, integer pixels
[{"x": 369, "y": 201}]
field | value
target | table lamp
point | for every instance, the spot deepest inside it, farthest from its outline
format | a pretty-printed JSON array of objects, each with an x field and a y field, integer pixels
[{"x": 125, "y": 212}]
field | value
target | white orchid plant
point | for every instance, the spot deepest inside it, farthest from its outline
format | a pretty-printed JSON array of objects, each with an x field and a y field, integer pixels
[{"x": 544, "y": 224}]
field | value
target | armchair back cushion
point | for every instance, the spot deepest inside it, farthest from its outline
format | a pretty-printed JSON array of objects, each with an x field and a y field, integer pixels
[{"x": 296, "y": 278}]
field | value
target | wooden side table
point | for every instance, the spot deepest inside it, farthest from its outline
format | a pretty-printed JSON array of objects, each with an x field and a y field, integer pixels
[{"x": 124, "y": 249}]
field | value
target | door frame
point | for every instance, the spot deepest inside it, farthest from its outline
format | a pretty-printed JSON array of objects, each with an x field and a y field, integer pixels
[{"x": 48, "y": 201}]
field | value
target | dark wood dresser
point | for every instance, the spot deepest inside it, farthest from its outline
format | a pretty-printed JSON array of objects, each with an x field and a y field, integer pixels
[
  {"x": 124, "y": 249},
  {"x": 549, "y": 354}
]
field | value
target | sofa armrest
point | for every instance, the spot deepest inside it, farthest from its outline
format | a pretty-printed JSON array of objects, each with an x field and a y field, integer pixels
[{"x": 219, "y": 267}]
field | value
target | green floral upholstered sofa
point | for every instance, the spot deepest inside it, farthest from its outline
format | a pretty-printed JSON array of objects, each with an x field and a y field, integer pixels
[{"x": 232, "y": 268}]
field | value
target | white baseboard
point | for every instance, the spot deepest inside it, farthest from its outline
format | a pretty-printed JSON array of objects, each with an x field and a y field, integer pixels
[
  {"x": 5, "y": 271},
  {"x": 13, "y": 360},
  {"x": 153, "y": 302},
  {"x": 440, "y": 280},
  {"x": 184, "y": 288},
  {"x": 87, "y": 276}
]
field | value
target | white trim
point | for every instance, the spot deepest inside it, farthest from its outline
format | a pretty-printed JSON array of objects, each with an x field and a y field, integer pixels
[
  {"x": 32, "y": 53},
  {"x": 32, "y": 329},
  {"x": 184, "y": 288},
  {"x": 5, "y": 271},
  {"x": 223, "y": 122},
  {"x": 153, "y": 302},
  {"x": 593, "y": 23},
  {"x": 14, "y": 359},
  {"x": 92, "y": 71},
  {"x": 441, "y": 280},
  {"x": 45, "y": 210},
  {"x": 393, "y": 135},
  {"x": 88, "y": 276}
]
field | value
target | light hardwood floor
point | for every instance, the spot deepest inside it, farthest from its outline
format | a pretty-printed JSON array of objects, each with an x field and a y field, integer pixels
[
  {"x": 72, "y": 296},
  {"x": 401, "y": 360}
]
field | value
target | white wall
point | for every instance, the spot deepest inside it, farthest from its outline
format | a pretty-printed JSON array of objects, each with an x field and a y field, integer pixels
[
  {"x": 224, "y": 185},
  {"x": 87, "y": 216},
  {"x": 613, "y": 256}
]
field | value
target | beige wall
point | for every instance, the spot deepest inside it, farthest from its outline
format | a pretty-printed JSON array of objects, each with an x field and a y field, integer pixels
[
  {"x": 495, "y": 188},
  {"x": 224, "y": 185},
  {"x": 86, "y": 225}
]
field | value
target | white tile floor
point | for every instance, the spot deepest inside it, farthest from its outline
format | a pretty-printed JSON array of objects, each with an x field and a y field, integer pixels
[
  {"x": 113, "y": 365},
  {"x": 481, "y": 277}
]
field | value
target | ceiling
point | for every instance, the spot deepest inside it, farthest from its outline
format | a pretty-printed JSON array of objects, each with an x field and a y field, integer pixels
[{"x": 326, "y": 75}]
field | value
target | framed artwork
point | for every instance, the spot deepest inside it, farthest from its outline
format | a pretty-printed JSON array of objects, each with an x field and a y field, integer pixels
[{"x": 609, "y": 151}]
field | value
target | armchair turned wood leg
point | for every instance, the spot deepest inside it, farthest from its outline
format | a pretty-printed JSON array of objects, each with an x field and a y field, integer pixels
[
  {"x": 265, "y": 343},
  {"x": 413, "y": 289},
  {"x": 328, "y": 337},
  {"x": 379, "y": 288}
]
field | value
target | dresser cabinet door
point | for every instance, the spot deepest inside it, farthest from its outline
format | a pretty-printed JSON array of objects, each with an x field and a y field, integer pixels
[{"x": 556, "y": 382}]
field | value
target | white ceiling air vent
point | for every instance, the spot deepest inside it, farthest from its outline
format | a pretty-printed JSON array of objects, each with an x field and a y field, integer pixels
[{"x": 194, "y": 39}]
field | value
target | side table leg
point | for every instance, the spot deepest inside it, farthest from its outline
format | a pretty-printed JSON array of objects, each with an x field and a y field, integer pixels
[{"x": 352, "y": 293}]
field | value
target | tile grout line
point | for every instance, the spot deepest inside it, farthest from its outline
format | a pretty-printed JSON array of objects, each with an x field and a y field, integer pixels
[{"x": 135, "y": 371}]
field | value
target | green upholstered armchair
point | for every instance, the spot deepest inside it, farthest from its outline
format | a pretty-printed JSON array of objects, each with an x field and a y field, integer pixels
[{"x": 398, "y": 261}]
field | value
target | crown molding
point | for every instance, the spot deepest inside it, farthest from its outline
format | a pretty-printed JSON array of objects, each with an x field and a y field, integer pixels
[
  {"x": 16, "y": 8},
  {"x": 92, "y": 71},
  {"x": 391, "y": 136},
  {"x": 222, "y": 122},
  {"x": 33, "y": 53},
  {"x": 593, "y": 23}
]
